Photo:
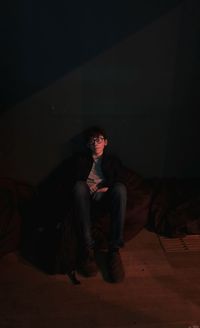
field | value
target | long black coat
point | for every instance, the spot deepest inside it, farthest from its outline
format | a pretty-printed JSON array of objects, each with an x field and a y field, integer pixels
[
  {"x": 79, "y": 167},
  {"x": 55, "y": 192}
]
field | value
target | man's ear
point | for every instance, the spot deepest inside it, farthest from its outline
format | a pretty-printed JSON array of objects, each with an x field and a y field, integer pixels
[{"x": 105, "y": 142}]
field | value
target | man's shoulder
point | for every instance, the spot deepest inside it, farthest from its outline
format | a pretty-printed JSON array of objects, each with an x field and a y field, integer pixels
[
  {"x": 111, "y": 156},
  {"x": 78, "y": 155},
  {"x": 75, "y": 158},
  {"x": 84, "y": 155}
]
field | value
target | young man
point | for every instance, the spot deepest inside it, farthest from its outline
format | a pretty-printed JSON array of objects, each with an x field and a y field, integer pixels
[{"x": 98, "y": 176}]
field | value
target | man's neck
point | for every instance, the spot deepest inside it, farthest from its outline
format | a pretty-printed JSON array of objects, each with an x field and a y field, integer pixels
[{"x": 97, "y": 155}]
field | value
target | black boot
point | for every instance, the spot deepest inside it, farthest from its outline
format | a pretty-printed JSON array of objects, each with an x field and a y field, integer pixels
[
  {"x": 114, "y": 266},
  {"x": 87, "y": 266},
  {"x": 72, "y": 277}
]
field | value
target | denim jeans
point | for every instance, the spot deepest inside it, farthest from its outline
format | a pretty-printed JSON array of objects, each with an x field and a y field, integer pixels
[{"x": 116, "y": 197}]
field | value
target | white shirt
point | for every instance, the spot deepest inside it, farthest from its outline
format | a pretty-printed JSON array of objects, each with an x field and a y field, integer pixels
[{"x": 96, "y": 175}]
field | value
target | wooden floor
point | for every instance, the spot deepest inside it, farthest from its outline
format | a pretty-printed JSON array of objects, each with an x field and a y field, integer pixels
[{"x": 161, "y": 290}]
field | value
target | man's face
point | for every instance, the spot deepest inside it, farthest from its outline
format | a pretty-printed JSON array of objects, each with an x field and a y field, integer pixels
[{"x": 97, "y": 144}]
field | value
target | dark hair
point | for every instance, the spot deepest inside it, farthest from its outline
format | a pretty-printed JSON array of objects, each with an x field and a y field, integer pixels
[{"x": 94, "y": 131}]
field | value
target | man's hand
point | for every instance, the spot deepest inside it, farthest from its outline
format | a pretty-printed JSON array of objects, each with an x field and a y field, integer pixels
[
  {"x": 93, "y": 189},
  {"x": 104, "y": 189}
]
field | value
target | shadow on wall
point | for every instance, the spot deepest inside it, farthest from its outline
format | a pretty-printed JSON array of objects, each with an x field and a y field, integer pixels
[
  {"x": 74, "y": 145},
  {"x": 47, "y": 42}
]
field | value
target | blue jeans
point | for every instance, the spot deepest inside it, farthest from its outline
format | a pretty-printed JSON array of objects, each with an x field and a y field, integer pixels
[{"x": 116, "y": 197}]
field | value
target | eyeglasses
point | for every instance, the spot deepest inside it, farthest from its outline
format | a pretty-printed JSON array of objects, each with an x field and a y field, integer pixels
[{"x": 96, "y": 139}]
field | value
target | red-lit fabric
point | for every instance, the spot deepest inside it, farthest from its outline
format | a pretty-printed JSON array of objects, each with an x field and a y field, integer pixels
[
  {"x": 169, "y": 207},
  {"x": 12, "y": 196}
]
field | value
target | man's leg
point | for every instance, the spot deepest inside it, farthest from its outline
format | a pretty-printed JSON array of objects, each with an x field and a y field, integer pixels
[
  {"x": 82, "y": 203},
  {"x": 118, "y": 200},
  {"x": 114, "y": 200}
]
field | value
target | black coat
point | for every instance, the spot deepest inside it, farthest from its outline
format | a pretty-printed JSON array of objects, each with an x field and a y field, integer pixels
[
  {"x": 60, "y": 182},
  {"x": 79, "y": 167}
]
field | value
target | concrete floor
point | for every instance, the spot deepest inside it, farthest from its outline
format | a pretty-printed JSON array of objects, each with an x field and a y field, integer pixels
[{"x": 161, "y": 290}]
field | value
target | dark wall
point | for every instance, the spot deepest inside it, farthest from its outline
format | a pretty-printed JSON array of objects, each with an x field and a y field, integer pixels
[
  {"x": 44, "y": 40},
  {"x": 133, "y": 70},
  {"x": 182, "y": 153}
]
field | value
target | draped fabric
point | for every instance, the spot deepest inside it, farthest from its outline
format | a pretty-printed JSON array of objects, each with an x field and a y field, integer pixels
[
  {"x": 13, "y": 197},
  {"x": 42, "y": 225}
]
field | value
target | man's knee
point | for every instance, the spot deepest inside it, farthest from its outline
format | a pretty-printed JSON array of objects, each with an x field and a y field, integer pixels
[
  {"x": 80, "y": 188},
  {"x": 120, "y": 189}
]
